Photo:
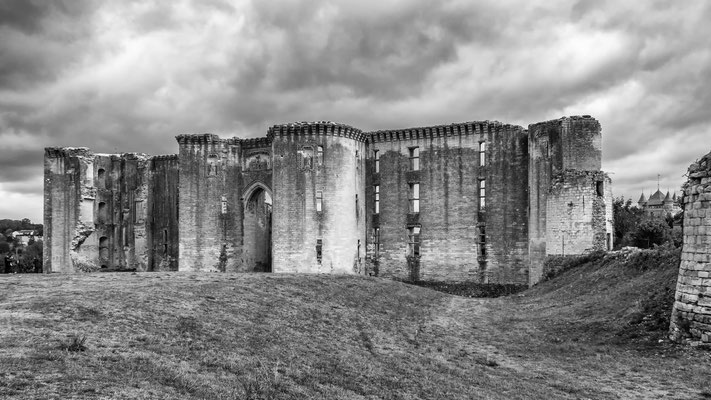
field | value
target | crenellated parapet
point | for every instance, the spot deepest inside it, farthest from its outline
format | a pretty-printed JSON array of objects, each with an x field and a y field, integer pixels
[
  {"x": 165, "y": 157},
  {"x": 316, "y": 128},
  {"x": 253, "y": 143},
  {"x": 200, "y": 138},
  {"x": 456, "y": 129}
]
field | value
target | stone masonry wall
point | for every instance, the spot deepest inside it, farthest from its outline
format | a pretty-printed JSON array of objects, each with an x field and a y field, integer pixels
[
  {"x": 568, "y": 143},
  {"x": 64, "y": 186},
  {"x": 299, "y": 176},
  {"x": 95, "y": 211},
  {"x": 691, "y": 315},
  {"x": 451, "y": 221},
  {"x": 577, "y": 213},
  {"x": 210, "y": 174},
  {"x": 161, "y": 214}
]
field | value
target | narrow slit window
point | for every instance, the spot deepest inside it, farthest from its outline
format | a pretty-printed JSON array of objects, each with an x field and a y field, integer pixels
[
  {"x": 319, "y": 155},
  {"x": 413, "y": 241},
  {"x": 356, "y": 206},
  {"x": 376, "y": 242},
  {"x": 165, "y": 241},
  {"x": 376, "y": 157},
  {"x": 319, "y": 201},
  {"x": 376, "y": 190},
  {"x": 319, "y": 250},
  {"x": 482, "y": 194},
  {"x": 482, "y": 241},
  {"x": 414, "y": 193},
  {"x": 482, "y": 154},
  {"x": 414, "y": 158}
]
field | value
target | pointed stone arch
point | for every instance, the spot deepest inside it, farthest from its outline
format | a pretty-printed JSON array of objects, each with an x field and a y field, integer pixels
[{"x": 257, "y": 228}]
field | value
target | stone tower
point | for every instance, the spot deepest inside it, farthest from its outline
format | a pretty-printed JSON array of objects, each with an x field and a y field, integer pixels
[
  {"x": 691, "y": 315},
  {"x": 319, "y": 197},
  {"x": 570, "y": 198}
]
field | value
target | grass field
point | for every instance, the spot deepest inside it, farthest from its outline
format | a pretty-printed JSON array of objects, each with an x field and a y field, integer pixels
[{"x": 595, "y": 331}]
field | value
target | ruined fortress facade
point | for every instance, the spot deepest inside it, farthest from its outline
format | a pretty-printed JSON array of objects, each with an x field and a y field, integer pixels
[{"x": 476, "y": 201}]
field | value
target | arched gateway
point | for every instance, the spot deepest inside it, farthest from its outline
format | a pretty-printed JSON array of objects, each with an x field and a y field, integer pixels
[{"x": 257, "y": 228}]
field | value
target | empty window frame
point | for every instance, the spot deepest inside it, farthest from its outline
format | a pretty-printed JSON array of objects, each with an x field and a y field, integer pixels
[
  {"x": 376, "y": 205},
  {"x": 414, "y": 197},
  {"x": 307, "y": 157},
  {"x": 376, "y": 157},
  {"x": 103, "y": 248},
  {"x": 482, "y": 194},
  {"x": 413, "y": 241},
  {"x": 139, "y": 212},
  {"x": 482, "y": 154},
  {"x": 319, "y": 250},
  {"x": 482, "y": 242},
  {"x": 414, "y": 158},
  {"x": 319, "y": 155},
  {"x": 600, "y": 188},
  {"x": 376, "y": 242},
  {"x": 101, "y": 178},
  {"x": 165, "y": 241},
  {"x": 319, "y": 201}
]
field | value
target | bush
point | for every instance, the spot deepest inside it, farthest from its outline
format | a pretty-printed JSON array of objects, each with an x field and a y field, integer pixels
[{"x": 652, "y": 232}]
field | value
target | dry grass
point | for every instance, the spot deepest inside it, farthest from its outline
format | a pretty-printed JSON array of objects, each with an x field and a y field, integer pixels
[{"x": 258, "y": 336}]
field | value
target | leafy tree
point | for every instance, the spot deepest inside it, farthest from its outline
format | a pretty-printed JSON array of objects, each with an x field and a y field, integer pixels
[
  {"x": 650, "y": 232},
  {"x": 626, "y": 219}
]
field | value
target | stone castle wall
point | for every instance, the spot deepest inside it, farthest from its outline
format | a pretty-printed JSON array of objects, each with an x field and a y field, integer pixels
[
  {"x": 556, "y": 146},
  {"x": 578, "y": 220},
  {"x": 318, "y": 163},
  {"x": 458, "y": 202},
  {"x": 691, "y": 315},
  {"x": 98, "y": 208}
]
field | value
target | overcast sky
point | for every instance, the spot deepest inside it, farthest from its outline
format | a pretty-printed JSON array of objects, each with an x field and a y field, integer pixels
[{"x": 130, "y": 75}]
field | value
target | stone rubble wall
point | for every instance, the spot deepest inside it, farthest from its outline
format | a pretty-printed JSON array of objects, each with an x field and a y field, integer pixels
[
  {"x": 578, "y": 214},
  {"x": 691, "y": 315}
]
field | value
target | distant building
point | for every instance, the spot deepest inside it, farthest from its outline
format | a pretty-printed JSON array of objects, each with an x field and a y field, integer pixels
[
  {"x": 24, "y": 237},
  {"x": 659, "y": 204}
]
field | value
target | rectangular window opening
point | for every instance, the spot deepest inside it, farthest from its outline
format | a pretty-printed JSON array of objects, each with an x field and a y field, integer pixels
[
  {"x": 356, "y": 206},
  {"x": 413, "y": 241},
  {"x": 482, "y": 194},
  {"x": 376, "y": 190},
  {"x": 376, "y": 156},
  {"x": 482, "y": 154},
  {"x": 319, "y": 250},
  {"x": 319, "y": 155},
  {"x": 414, "y": 197},
  {"x": 600, "y": 188},
  {"x": 319, "y": 201},
  {"x": 376, "y": 242},
  {"x": 414, "y": 158}
]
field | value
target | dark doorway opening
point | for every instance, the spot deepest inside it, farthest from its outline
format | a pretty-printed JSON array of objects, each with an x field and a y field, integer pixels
[{"x": 258, "y": 231}]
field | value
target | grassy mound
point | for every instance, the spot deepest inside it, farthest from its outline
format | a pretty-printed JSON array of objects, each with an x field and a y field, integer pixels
[
  {"x": 259, "y": 336},
  {"x": 615, "y": 297}
]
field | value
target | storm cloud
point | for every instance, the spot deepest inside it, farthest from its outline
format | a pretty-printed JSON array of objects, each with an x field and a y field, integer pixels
[{"x": 130, "y": 75}]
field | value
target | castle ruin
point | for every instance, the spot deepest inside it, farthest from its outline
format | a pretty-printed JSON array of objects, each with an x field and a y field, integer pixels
[
  {"x": 691, "y": 315},
  {"x": 476, "y": 201}
]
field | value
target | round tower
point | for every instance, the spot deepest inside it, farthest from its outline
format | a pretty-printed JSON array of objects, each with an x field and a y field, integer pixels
[{"x": 318, "y": 198}]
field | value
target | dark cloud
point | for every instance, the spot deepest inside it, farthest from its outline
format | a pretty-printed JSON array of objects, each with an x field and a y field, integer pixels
[{"x": 130, "y": 75}]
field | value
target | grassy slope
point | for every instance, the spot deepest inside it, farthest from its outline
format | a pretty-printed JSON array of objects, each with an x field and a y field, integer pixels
[{"x": 168, "y": 335}]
